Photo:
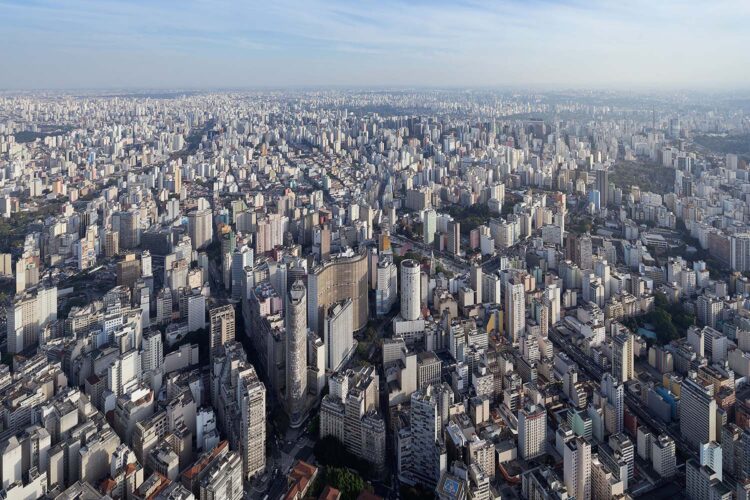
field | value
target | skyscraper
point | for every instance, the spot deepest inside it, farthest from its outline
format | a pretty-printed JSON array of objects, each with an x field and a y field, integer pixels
[
  {"x": 584, "y": 252},
  {"x": 577, "y": 468},
  {"x": 296, "y": 353},
  {"x": 429, "y": 226},
  {"x": 342, "y": 277},
  {"x": 222, "y": 328},
  {"x": 337, "y": 334},
  {"x": 386, "y": 291},
  {"x": 252, "y": 423},
  {"x": 515, "y": 310},
  {"x": 697, "y": 412},
  {"x": 200, "y": 225},
  {"x": 476, "y": 283},
  {"x": 410, "y": 287},
  {"x": 612, "y": 389},
  {"x": 129, "y": 228},
  {"x": 422, "y": 449},
  {"x": 602, "y": 185},
  {"x": 26, "y": 317},
  {"x": 622, "y": 356},
  {"x": 532, "y": 431},
  {"x": 454, "y": 237}
]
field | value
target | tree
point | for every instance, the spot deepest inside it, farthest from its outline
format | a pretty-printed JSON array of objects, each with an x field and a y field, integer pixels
[{"x": 347, "y": 482}]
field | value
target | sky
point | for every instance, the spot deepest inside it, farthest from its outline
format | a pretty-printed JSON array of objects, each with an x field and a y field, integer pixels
[{"x": 201, "y": 44}]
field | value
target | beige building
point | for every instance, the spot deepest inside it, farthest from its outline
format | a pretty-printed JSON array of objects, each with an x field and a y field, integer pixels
[{"x": 341, "y": 278}]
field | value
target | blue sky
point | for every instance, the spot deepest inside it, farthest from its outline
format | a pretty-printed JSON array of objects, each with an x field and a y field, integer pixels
[{"x": 288, "y": 43}]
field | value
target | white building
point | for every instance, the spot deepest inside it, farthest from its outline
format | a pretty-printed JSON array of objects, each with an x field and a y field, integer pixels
[{"x": 532, "y": 431}]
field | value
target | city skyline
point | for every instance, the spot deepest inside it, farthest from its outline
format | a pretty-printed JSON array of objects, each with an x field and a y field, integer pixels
[{"x": 289, "y": 44}]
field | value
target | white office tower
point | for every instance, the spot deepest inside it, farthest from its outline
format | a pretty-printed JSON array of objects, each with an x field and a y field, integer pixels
[
  {"x": 697, "y": 412},
  {"x": 429, "y": 226},
  {"x": 338, "y": 326},
  {"x": 614, "y": 407},
  {"x": 241, "y": 258},
  {"x": 152, "y": 351},
  {"x": 577, "y": 468},
  {"x": 622, "y": 356},
  {"x": 532, "y": 431},
  {"x": 515, "y": 311},
  {"x": 710, "y": 455},
  {"x": 146, "y": 267},
  {"x": 386, "y": 291},
  {"x": 410, "y": 281},
  {"x": 296, "y": 353}
]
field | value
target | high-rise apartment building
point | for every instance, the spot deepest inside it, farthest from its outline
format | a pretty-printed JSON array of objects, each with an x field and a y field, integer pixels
[
  {"x": 342, "y": 277},
  {"x": 532, "y": 431}
]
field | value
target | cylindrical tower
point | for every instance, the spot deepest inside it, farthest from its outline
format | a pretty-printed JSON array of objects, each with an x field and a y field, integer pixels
[{"x": 410, "y": 281}]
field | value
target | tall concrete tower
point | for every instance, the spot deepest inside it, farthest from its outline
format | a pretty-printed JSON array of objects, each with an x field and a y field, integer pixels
[
  {"x": 515, "y": 310},
  {"x": 296, "y": 353},
  {"x": 410, "y": 280}
]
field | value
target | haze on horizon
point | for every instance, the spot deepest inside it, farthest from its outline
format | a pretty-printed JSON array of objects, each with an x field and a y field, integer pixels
[{"x": 663, "y": 44}]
